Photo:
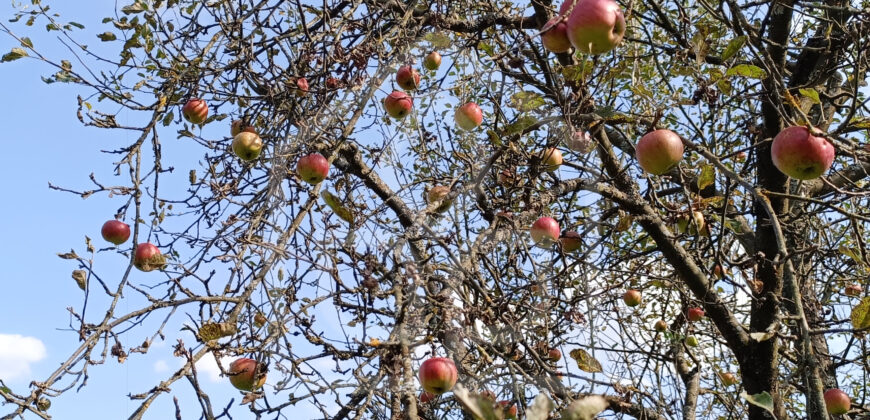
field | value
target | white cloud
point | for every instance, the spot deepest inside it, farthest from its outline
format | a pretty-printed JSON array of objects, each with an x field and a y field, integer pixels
[
  {"x": 160, "y": 366},
  {"x": 17, "y": 352},
  {"x": 207, "y": 367}
]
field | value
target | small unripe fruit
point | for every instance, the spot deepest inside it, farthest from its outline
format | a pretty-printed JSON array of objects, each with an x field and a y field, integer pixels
[
  {"x": 691, "y": 341},
  {"x": 661, "y": 325}
]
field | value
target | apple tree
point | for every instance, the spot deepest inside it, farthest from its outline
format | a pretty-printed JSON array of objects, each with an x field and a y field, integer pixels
[{"x": 609, "y": 225}]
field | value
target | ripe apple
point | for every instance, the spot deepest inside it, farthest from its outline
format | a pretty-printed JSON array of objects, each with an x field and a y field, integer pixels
[
  {"x": 692, "y": 341},
  {"x": 432, "y": 61},
  {"x": 115, "y": 231},
  {"x": 800, "y": 155},
  {"x": 195, "y": 111},
  {"x": 398, "y": 104},
  {"x": 426, "y": 397},
  {"x": 301, "y": 86},
  {"x": 632, "y": 298},
  {"x": 551, "y": 159},
  {"x": 312, "y": 168},
  {"x": 851, "y": 289},
  {"x": 728, "y": 378},
  {"x": 247, "y": 146},
  {"x": 555, "y": 38},
  {"x": 236, "y": 128},
  {"x": 580, "y": 142},
  {"x": 147, "y": 257},
  {"x": 658, "y": 151},
  {"x": 407, "y": 78},
  {"x": 438, "y": 375},
  {"x": 545, "y": 231},
  {"x": 594, "y": 26},
  {"x": 837, "y": 401},
  {"x": 509, "y": 409},
  {"x": 554, "y": 355},
  {"x": 437, "y": 193},
  {"x": 695, "y": 314},
  {"x": 468, "y": 116},
  {"x": 661, "y": 325},
  {"x": 571, "y": 241},
  {"x": 244, "y": 376}
]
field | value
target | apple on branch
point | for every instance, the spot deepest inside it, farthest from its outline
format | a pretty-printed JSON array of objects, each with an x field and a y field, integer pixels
[
  {"x": 237, "y": 127},
  {"x": 593, "y": 26},
  {"x": 555, "y": 35},
  {"x": 246, "y": 374},
  {"x": 407, "y": 78},
  {"x": 571, "y": 241},
  {"x": 147, "y": 257},
  {"x": 837, "y": 401},
  {"x": 800, "y": 155},
  {"x": 658, "y": 151},
  {"x": 545, "y": 231},
  {"x": 115, "y": 231},
  {"x": 632, "y": 298},
  {"x": 438, "y": 193},
  {"x": 312, "y": 168},
  {"x": 468, "y": 116},
  {"x": 432, "y": 61},
  {"x": 398, "y": 104},
  {"x": 551, "y": 159},
  {"x": 438, "y": 375},
  {"x": 695, "y": 314},
  {"x": 247, "y": 146},
  {"x": 195, "y": 111}
]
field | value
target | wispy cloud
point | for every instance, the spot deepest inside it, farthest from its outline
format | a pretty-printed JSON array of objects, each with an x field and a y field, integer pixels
[{"x": 17, "y": 353}]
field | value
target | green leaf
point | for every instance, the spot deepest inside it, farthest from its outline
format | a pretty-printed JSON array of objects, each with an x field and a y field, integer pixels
[
  {"x": 520, "y": 125},
  {"x": 13, "y": 55},
  {"x": 585, "y": 361},
  {"x": 747, "y": 70},
  {"x": 526, "y": 101},
  {"x": 335, "y": 204},
  {"x": 861, "y": 315},
  {"x": 810, "y": 93},
  {"x": 861, "y": 123},
  {"x": 763, "y": 400},
  {"x": 437, "y": 39},
  {"x": 107, "y": 36},
  {"x": 852, "y": 253},
  {"x": 707, "y": 177},
  {"x": 26, "y": 42},
  {"x": 733, "y": 46}
]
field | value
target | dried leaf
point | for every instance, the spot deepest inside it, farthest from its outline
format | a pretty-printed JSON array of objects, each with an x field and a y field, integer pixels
[
  {"x": 585, "y": 409},
  {"x": 761, "y": 336},
  {"x": 540, "y": 408},
  {"x": 81, "y": 278},
  {"x": 71, "y": 255},
  {"x": 585, "y": 361},
  {"x": 479, "y": 407},
  {"x": 337, "y": 207}
]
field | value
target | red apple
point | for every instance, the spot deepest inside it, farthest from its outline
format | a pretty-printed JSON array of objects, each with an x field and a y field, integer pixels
[
  {"x": 580, "y": 142},
  {"x": 594, "y": 26},
  {"x": 695, "y": 314},
  {"x": 800, "y": 155},
  {"x": 236, "y": 128},
  {"x": 837, "y": 401},
  {"x": 509, "y": 409},
  {"x": 115, "y": 231},
  {"x": 332, "y": 83},
  {"x": 195, "y": 111},
  {"x": 247, "y": 146},
  {"x": 555, "y": 35},
  {"x": 658, "y": 151},
  {"x": 398, "y": 104},
  {"x": 661, "y": 325},
  {"x": 545, "y": 231},
  {"x": 407, "y": 78},
  {"x": 301, "y": 86},
  {"x": 632, "y": 298},
  {"x": 148, "y": 258},
  {"x": 728, "y": 378},
  {"x": 432, "y": 61},
  {"x": 551, "y": 159},
  {"x": 312, "y": 168},
  {"x": 851, "y": 289},
  {"x": 692, "y": 341},
  {"x": 437, "y": 193},
  {"x": 571, "y": 241},
  {"x": 244, "y": 376},
  {"x": 438, "y": 375},
  {"x": 426, "y": 397},
  {"x": 554, "y": 355},
  {"x": 468, "y": 116}
]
